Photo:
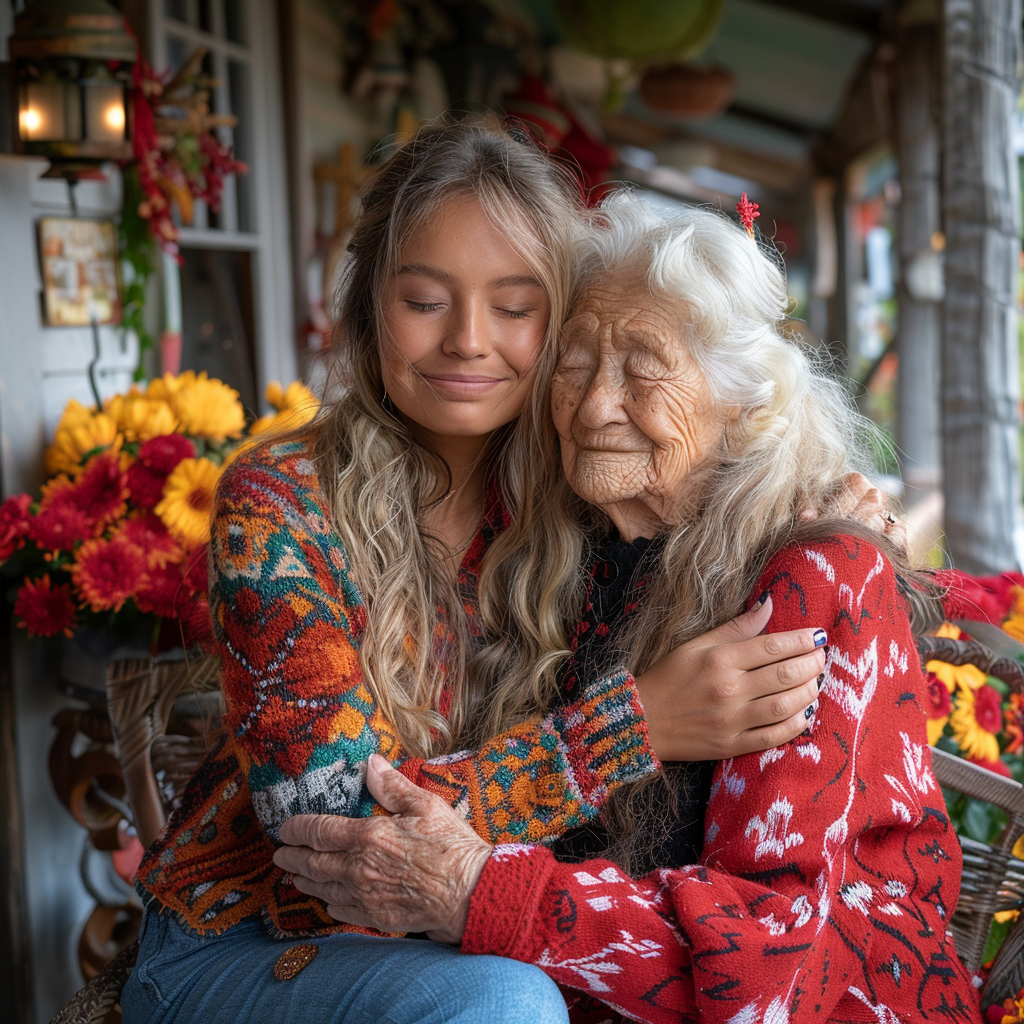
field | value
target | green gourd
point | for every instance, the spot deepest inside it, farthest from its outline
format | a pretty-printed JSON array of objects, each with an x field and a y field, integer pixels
[{"x": 639, "y": 31}]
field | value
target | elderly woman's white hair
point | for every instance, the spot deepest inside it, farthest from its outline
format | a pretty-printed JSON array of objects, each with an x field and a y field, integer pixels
[{"x": 795, "y": 433}]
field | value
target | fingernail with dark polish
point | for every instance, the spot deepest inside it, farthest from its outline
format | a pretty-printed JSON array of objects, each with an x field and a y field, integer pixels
[
  {"x": 763, "y": 598},
  {"x": 820, "y": 638},
  {"x": 811, "y": 708}
]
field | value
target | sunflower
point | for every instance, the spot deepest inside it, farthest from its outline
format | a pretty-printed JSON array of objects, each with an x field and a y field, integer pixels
[
  {"x": 295, "y": 406},
  {"x": 188, "y": 501},
  {"x": 938, "y": 707},
  {"x": 44, "y": 609},
  {"x": 79, "y": 432},
  {"x": 971, "y": 721},
  {"x": 1014, "y": 623},
  {"x": 108, "y": 572},
  {"x": 967, "y": 676},
  {"x": 207, "y": 408},
  {"x": 141, "y": 417}
]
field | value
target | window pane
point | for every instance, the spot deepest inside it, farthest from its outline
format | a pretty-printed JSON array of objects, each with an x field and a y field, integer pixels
[
  {"x": 176, "y": 9},
  {"x": 178, "y": 51},
  {"x": 239, "y": 92},
  {"x": 206, "y": 22},
  {"x": 217, "y": 318},
  {"x": 234, "y": 21}
]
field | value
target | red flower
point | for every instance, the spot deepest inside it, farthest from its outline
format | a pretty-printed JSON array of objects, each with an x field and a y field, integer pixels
[
  {"x": 1013, "y": 723},
  {"x": 196, "y": 570},
  {"x": 160, "y": 590},
  {"x": 43, "y": 609},
  {"x": 108, "y": 572},
  {"x": 101, "y": 492},
  {"x": 996, "y": 766},
  {"x": 196, "y": 621},
  {"x": 148, "y": 533},
  {"x": 14, "y": 522},
  {"x": 155, "y": 462},
  {"x": 939, "y": 698},
  {"x": 988, "y": 709},
  {"x": 60, "y": 524}
]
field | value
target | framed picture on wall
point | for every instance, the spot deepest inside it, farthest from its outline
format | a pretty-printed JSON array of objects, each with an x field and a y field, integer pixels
[{"x": 80, "y": 271}]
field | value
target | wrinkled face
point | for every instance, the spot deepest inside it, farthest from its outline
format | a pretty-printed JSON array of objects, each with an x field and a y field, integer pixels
[
  {"x": 464, "y": 322},
  {"x": 633, "y": 413}
]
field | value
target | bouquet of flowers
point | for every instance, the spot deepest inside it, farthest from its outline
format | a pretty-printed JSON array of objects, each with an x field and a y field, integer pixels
[
  {"x": 117, "y": 540},
  {"x": 978, "y": 716}
]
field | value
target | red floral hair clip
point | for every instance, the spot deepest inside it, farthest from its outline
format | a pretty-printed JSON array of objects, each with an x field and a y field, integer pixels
[{"x": 748, "y": 213}]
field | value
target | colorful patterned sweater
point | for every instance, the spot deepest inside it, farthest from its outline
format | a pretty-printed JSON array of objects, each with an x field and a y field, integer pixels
[
  {"x": 300, "y": 724},
  {"x": 829, "y": 870}
]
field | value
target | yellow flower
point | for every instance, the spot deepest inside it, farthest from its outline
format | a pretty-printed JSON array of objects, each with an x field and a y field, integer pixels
[
  {"x": 1018, "y": 848},
  {"x": 949, "y": 631},
  {"x": 142, "y": 417},
  {"x": 935, "y": 727},
  {"x": 966, "y": 677},
  {"x": 1014, "y": 624},
  {"x": 79, "y": 432},
  {"x": 295, "y": 406},
  {"x": 971, "y": 738},
  {"x": 205, "y": 407},
  {"x": 188, "y": 501}
]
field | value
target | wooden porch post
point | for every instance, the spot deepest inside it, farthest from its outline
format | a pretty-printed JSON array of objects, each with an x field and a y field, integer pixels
[
  {"x": 980, "y": 389},
  {"x": 920, "y": 289}
]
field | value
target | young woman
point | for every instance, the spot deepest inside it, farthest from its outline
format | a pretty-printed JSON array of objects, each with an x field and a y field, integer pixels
[{"x": 367, "y": 596}]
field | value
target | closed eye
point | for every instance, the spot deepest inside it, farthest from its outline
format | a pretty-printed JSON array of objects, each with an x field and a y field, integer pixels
[
  {"x": 516, "y": 314},
  {"x": 423, "y": 307}
]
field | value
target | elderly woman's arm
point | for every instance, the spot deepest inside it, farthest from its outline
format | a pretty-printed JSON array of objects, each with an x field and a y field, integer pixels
[{"x": 829, "y": 871}]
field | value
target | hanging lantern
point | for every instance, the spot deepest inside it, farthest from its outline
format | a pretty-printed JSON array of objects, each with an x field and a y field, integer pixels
[{"x": 72, "y": 63}]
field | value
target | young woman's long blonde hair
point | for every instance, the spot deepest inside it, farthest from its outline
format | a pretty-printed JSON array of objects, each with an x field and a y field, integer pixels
[{"x": 378, "y": 481}]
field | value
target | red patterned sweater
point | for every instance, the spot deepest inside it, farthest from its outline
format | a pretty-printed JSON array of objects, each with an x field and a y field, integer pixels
[
  {"x": 829, "y": 870},
  {"x": 301, "y": 725}
]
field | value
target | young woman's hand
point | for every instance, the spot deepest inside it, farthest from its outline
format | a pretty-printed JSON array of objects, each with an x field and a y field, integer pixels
[{"x": 732, "y": 691}]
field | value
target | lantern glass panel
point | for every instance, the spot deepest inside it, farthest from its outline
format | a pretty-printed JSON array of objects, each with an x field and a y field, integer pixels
[
  {"x": 47, "y": 113},
  {"x": 104, "y": 112}
]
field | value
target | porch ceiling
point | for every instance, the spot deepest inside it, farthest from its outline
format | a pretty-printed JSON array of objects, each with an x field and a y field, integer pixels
[{"x": 794, "y": 61}]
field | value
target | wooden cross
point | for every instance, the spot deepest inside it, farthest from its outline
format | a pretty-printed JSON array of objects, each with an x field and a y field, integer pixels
[{"x": 346, "y": 176}]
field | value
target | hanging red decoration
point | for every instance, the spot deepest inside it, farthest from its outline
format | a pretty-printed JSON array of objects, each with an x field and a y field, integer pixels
[{"x": 178, "y": 155}]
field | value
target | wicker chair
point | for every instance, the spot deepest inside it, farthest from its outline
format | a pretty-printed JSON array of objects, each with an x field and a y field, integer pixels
[
  {"x": 165, "y": 715},
  {"x": 993, "y": 879}
]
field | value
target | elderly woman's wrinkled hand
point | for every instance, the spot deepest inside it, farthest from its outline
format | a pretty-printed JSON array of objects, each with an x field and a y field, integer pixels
[
  {"x": 412, "y": 871},
  {"x": 861, "y": 501}
]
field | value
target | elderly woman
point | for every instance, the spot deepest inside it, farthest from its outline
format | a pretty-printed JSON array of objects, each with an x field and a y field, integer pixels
[{"x": 827, "y": 870}]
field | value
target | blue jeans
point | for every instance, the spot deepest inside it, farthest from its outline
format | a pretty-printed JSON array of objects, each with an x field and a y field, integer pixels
[{"x": 181, "y": 978}]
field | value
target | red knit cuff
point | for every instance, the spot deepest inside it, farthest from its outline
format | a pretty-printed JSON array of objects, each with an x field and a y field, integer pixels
[{"x": 503, "y": 909}]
